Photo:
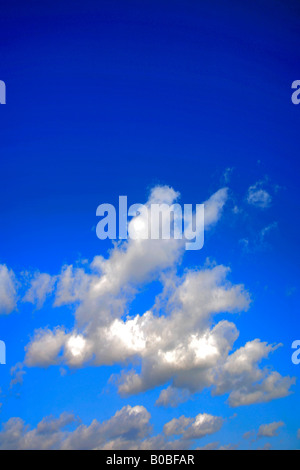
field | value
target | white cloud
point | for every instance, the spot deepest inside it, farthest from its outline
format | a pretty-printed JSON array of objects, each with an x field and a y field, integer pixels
[
  {"x": 269, "y": 430},
  {"x": 249, "y": 383},
  {"x": 45, "y": 348},
  {"x": 259, "y": 197},
  {"x": 193, "y": 428},
  {"x": 214, "y": 207},
  {"x": 8, "y": 290},
  {"x": 129, "y": 428},
  {"x": 178, "y": 341},
  {"x": 17, "y": 374},
  {"x": 172, "y": 397},
  {"x": 227, "y": 174},
  {"x": 41, "y": 285},
  {"x": 16, "y": 435},
  {"x": 272, "y": 387}
]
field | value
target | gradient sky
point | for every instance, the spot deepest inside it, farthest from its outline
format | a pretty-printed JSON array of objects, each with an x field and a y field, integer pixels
[{"x": 114, "y": 98}]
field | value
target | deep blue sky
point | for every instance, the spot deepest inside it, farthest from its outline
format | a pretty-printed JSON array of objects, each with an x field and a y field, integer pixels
[{"x": 112, "y": 97}]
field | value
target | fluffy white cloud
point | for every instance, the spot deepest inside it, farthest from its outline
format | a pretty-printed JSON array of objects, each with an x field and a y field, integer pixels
[
  {"x": 48, "y": 434},
  {"x": 129, "y": 428},
  {"x": 176, "y": 345},
  {"x": 269, "y": 430},
  {"x": 193, "y": 428},
  {"x": 45, "y": 348},
  {"x": 247, "y": 382},
  {"x": 8, "y": 290},
  {"x": 272, "y": 387},
  {"x": 129, "y": 425},
  {"x": 178, "y": 341}
]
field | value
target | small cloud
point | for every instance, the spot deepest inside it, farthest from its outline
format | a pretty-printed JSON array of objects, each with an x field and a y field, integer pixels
[
  {"x": 267, "y": 446},
  {"x": 259, "y": 197},
  {"x": 259, "y": 241},
  {"x": 211, "y": 446},
  {"x": 269, "y": 430},
  {"x": 248, "y": 435},
  {"x": 227, "y": 174},
  {"x": 264, "y": 232},
  {"x": 236, "y": 210},
  {"x": 17, "y": 374},
  {"x": 172, "y": 397},
  {"x": 63, "y": 371},
  {"x": 244, "y": 242},
  {"x": 229, "y": 447},
  {"x": 41, "y": 286},
  {"x": 8, "y": 290},
  {"x": 193, "y": 428},
  {"x": 214, "y": 207}
]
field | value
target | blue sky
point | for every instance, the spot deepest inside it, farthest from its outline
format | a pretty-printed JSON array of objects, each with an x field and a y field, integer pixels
[{"x": 117, "y": 98}]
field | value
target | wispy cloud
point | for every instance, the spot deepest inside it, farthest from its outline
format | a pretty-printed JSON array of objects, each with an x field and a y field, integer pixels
[{"x": 258, "y": 196}]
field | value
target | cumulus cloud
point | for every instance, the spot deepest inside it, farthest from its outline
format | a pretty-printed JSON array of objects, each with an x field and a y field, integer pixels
[
  {"x": 45, "y": 348},
  {"x": 269, "y": 430},
  {"x": 246, "y": 381},
  {"x": 129, "y": 428},
  {"x": 258, "y": 196},
  {"x": 178, "y": 341},
  {"x": 193, "y": 428},
  {"x": 16, "y": 435},
  {"x": 265, "y": 430},
  {"x": 8, "y": 290}
]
